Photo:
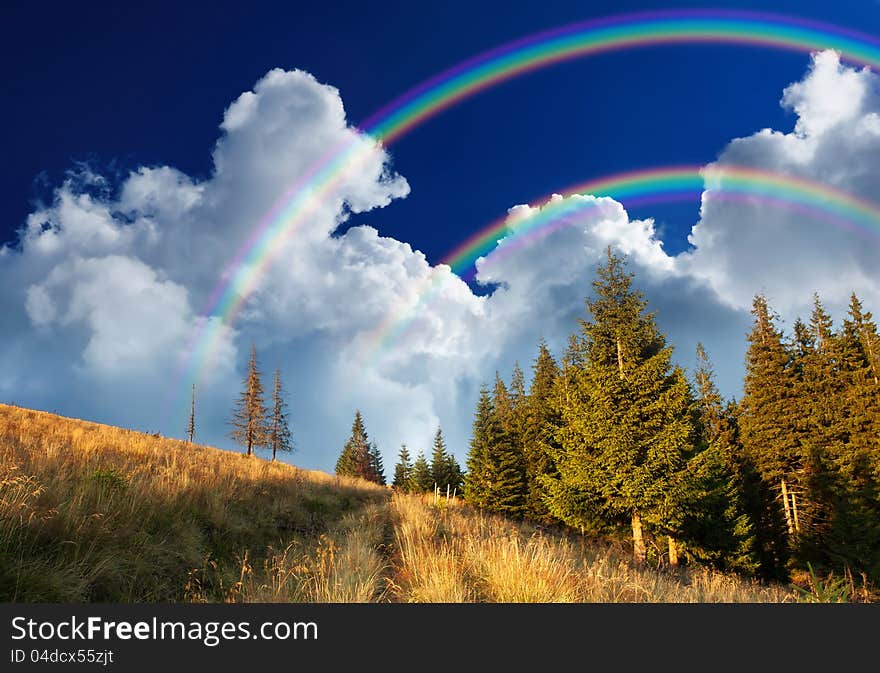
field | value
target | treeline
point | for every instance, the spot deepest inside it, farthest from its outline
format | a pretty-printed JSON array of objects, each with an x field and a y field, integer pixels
[
  {"x": 420, "y": 476},
  {"x": 616, "y": 438},
  {"x": 360, "y": 457}
]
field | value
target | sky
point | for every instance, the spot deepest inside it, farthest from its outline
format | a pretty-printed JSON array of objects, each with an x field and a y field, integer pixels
[{"x": 143, "y": 146}]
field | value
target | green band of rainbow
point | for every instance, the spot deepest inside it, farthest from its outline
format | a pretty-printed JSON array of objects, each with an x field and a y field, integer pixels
[
  {"x": 241, "y": 276},
  {"x": 761, "y": 188}
]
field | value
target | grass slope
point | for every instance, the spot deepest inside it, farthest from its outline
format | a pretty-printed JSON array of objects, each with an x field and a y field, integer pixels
[{"x": 90, "y": 512}]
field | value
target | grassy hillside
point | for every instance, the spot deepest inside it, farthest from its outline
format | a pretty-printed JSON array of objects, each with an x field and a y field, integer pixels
[
  {"x": 90, "y": 512},
  {"x": 455, "y": 554}
]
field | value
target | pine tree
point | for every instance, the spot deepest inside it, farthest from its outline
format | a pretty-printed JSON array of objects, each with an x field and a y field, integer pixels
[
  {"x": 568, "y": 500},
  {"x": 445, "y": 470},
  {"x": 356, "y": 458},
  {"x": 377, "y": 467},
  {"x": 403, "y": 472},
  {"x": 846, "y": 484},
  {"x": 423, "y": 481},
  {"x": 541, "y": 422},
  {"x": 861, "y": 327},
  {"x": 477, "y": 478},
  {"x": 191, "y": 428},
  {"x": 769, "y": 433},
  {"x": 455, "y": 477},
  {"x": 717, "y": 521},
  {"x": 629, "y": 427},
  {"x": 507, "y": 463},
  {"x": 821, "y": 434},
  {"x": 249, "y": 420},
  {"x": 859, "y": 346},
  {"x": 279, "y": 431},
  {"x": 439, "y": 462}
]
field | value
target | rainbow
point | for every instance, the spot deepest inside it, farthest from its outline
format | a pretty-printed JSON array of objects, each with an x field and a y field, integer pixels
[
  {"x": 241, "y": 276},
  {"x": 669, "y": 183}
]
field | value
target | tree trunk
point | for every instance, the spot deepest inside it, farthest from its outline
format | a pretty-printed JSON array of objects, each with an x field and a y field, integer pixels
[
  {"x": 797, "y": 523},
  {"x": 619, "y": 358},
  {"x": 673, "y": 552},
  {"x": 785, "y": 504},
  {"x": 639, "y": 552}
]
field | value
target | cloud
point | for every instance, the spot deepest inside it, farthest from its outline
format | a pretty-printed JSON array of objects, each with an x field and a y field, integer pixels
[
  {"x": 741, "y": 248},
  {"x": 106, "y": 286},
  {"x": 108, "y": 283}
]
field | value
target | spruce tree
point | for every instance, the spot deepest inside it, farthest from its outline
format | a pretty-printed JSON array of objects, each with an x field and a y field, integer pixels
[
  {"x": 477, "y": 478},
  {"x": 403, "y": 471},
  {"x": 816, "y": 496},
  {"x": 440, "y": 475},
  {"x": 191, "y": 428},
  {"x": 356, "y": 458},
  {"x": 851, "y": 533},
  {"x": 568, "y": 500},
  {"x": 454, "y": 474},
  {"x": 423, "y": 480},
  {"x": 629, "y": 426},
  {"x": 541, "y": 422},
  {"x": 859, "y": 346},
  {"x": 768, "y": 427},
  {"x": 717, "y": 521},
  {"x": 507, "y": 464},
  {"x": 377, "y": 467},
  {"x": 280, "y": 438},
  {"x": 250, "y": 417},
  {"x": 445, "y": 470}
]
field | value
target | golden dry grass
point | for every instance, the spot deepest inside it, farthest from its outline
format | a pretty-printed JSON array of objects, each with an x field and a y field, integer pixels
[
  {"x": 456, "y": 554},
  {"x": 90, "y": 512}
]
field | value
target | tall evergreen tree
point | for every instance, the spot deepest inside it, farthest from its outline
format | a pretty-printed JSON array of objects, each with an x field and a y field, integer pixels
[
  {"x": 439, "y": 462},
  {"x": 541, "y": 422},
  {"x": 629, "y": 427},
  {"x": 717, "y": 521},
  {"x": 280, "y": 438},
  {"x": 843, "y": 474},
  {"x": 821, "y": 434},
  {"x": 357, "y": 457},
  {"x": 860, "y": 371},
  {"x": 377, "y": 466},
  {"x": 495, "y": 477},
  {"x": 403, "y": 471},
  {"x": 445, "y": 470},
  {"x": 478, "y": 477},
  {"x": 423, "y": 480},
  {"x": 249, "y": 420},
  {"x": 769, "y": 433},
  {"x": 191, "y": 428},
  {"x": 507, "y": 463}
]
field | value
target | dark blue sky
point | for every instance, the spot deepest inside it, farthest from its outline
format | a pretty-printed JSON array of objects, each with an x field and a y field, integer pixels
[{"x": 126, "y": 84}]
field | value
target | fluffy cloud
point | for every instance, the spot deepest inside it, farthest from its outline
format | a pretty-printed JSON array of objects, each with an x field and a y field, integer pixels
[
  {"x": 108, "y": 285},
  {"x": 746, "y": 247}
]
